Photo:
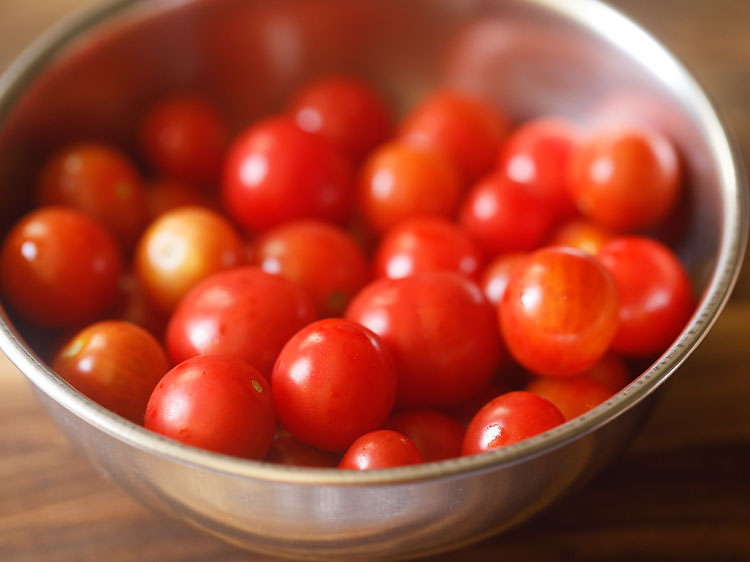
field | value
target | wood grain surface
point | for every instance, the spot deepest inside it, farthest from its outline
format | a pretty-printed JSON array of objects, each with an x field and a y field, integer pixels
[{"x": 681, "y": 492}]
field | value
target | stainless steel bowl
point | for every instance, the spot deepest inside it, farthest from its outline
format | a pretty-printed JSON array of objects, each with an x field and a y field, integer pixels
[{"x": 91, "y": 77}]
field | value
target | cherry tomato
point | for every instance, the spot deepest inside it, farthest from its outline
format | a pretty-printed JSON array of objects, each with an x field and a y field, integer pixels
[
  {"x": 426, "y": 244},
  {"x": 611, "y": 372},
  {"x": 99, "y": 181},
  {"x": 115, "y": 363},
  {"x": 505, "y": 216},
  {"x": 436, "y": 435},
  {"x": 508, "y": 419},
  {"x": 442, "y": 332},
  {"x": 625, "y": 178},
  {"x": 468, "y": 409},
  {"x": 537, "y": 155},
  {"x": 559, "y": 313},
  {"x": 214, "y": 402},
  {"x": 182, "y": 247},
  {"x": 320, "y": 257},
  {"x": 334, "y": 380},
  {"x": 494, "y": 278},
  {"x": 467, "y": 129},
  {"x": 276, "y": 172},
  {"x": 347, "y": 112},
  {"x": 164, "y": 195},
  {"x": 656, "y": 298},
  {"x": 286, "y": 450},
  {"x": 573, "y": 396},
  {"x": 184, "y": 137},
  {"x": 380, "y": 449},
  {"x": 244, "y": 312},
  {"x": 582, "y": 234},
  {"x": 400, "y": 181},
  {"x": 59, "y": 268}
]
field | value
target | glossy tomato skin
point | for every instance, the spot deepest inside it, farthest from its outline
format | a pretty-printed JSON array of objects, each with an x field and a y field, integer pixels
[
  {"x": 116, "y": 364},
  {"x": 383, "y": 448},
  {"x": 59, "y": 268},
  {"x": 442, "y": 332},
  {"x": 436, "y": 435},
  {"x": 625, "y": 178},
  {"x": 182, "y": 247},
  {"x": 184, "y": 137},
  {"x": 559, "y": 313},
  {"x": 399, "y": 181},
  {"x": 508, "y": 419},
  {"x": 99, "y": 181},
  {"x": 573, "y": 396},
  {"x": 275, "y": 172},
  {"x": 656, "y": 297},
  {"x": 214, "y": 402},
  {"x": 426, "y": 244},
  {"x": 537, "y": 154},
  {"x": 347, "y": 112},
  {"x": 320, "y": 257},
  {"x": 464, "y": 127},
  {"x": 495, "y": 277},
  {"x": 504, "y": 216},
  {"x": 244, "y": 312},
  {"x": 333, "y": 381}
]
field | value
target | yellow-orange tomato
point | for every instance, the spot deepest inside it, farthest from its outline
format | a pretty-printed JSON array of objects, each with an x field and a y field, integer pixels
[{"x": 181, "y": 248}]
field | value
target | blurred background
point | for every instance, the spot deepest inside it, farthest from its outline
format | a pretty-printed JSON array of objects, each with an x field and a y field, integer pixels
[{"x": 680, "y": 492}]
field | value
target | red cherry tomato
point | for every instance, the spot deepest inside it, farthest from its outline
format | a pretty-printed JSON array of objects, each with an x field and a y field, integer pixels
[
  {"x": 286, "y": 450},
  {"x": 217, "y": 403},
  {"x": 320, "y": 257},
  {"x": 436, "y": 435},
  {"x": 585, "y": 235},
  {"x": 115, "y": 363},
  {"x": 573, "y": 396},
  {"x": 442, "y": 332},
  {"x": 537, "y": 155},
  {"x": 656, "y": 298},
  {"x": 625, "y": 178},
  {"x": 243, "y": 312},
  {"x": 496, "y": 275},
  {"x": 184, "y": 137},
  {"x": 559, "y": 313},
  {"x": 508, "y": 419},
  {"x": 426, "y": 244},
  {"x": 59, "y": 268},
  {"x": 276, "y": 172},
  {"x": 505, "y": 216},
  {"x": 182, "y": 247},
  {"x": 467, "y": 129},
  {"x": 399, "y": 181},
  {"x": 99, "y": 181},
  {"x": 347, "y": 112},
  {"x": 333, "y": 381},
  {"x": 380, "y": 449}
]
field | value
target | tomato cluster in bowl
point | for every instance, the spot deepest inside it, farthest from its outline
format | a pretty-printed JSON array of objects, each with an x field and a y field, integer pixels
[{"x": 331, "y": 287}]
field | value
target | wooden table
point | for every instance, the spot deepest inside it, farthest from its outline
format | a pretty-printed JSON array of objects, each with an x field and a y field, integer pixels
[{"x": 681, "y": 492}]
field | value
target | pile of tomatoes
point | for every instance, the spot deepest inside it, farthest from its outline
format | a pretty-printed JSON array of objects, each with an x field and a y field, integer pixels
[{"x": 330, "y": 287}]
